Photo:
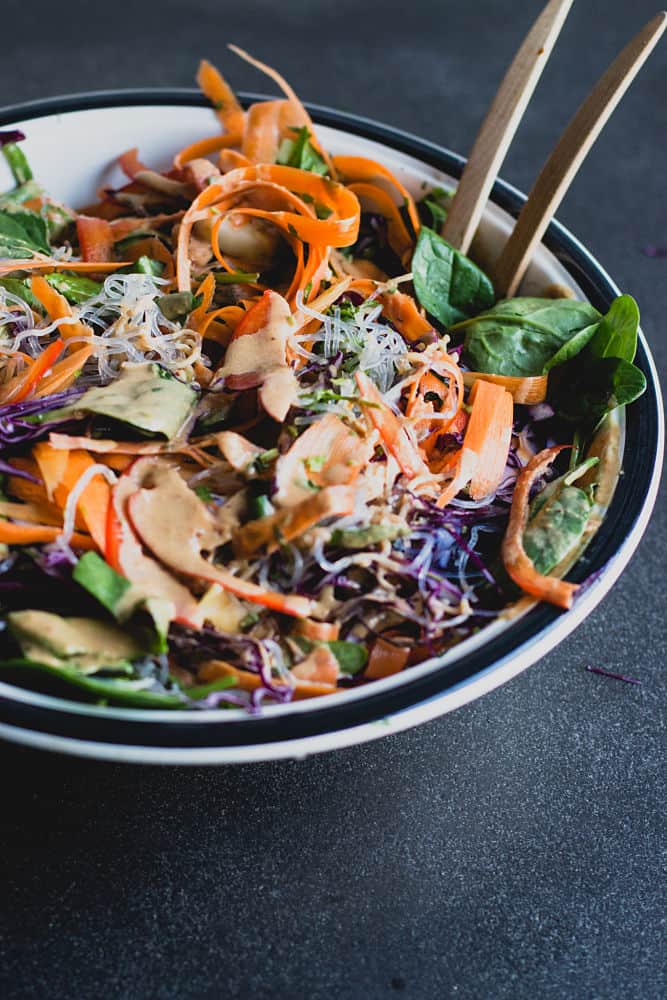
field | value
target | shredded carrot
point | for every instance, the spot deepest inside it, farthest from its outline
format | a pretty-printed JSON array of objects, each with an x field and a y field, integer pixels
[
  {"x": 263, "y": 131},
  {"x": 269, "y": 532},
  {"x": 95, "y": 238},
  {"x": 204, "y": 148},
  {"x": 489, "y": 434},
  {"x": 517, "y": 563},
  {"x": 47, "y": 264},
  {"x": 300, "y": 113},
  {"x": 317, "y": 631},
  {"x": 528, "y": 390},
  {"x": 375, "y": 199},
  {"x": 222, "y": 97},
  {"x": 58, "y": 308},
  {"x": 386, "y": 658},
  {"x": 299, "y": 222},
  {"x": 482, "y": 459},
  {"x": 358, "y": 168},
  {"x": 206, "y": 290},
  {"x": 246, "y": 681},
  {"x": 22, "y": 385},
  {"x": 40, "y": 534},
  {"x": 319, "y": 667},
  {"x": 392, "y": 432},
  {"x": 64, "y": 373},
  {"x": 130, "y": 163},
  {"x": 61, "y": 478}
]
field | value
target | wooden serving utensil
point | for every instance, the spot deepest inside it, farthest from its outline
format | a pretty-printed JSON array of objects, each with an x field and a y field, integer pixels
[
  {"x": 568, "y": 155},
  {"x": 500, "y": 125}
]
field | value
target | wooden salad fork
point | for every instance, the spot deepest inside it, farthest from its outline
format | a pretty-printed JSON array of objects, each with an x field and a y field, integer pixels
[
  {"x": 500, "y": 125},
  {"x": 499, "y": 128},
  {"x": 569, "y": 153}
]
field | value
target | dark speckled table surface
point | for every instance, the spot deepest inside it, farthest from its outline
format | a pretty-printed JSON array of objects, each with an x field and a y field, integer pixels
[{"x": 510, "y": 850}]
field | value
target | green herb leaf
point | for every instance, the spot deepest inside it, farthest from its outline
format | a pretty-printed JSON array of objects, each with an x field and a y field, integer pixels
[
  {"x": 434, "y": 206},
  {"x": 21, "y": 288},
  {"x": 261, "y": 506},
  {"x": 448, "y": 284},
  {"x": 300, "y": 152}
]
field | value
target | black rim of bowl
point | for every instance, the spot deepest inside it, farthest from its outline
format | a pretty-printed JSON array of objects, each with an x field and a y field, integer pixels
[{"x": 641, "y": 449}]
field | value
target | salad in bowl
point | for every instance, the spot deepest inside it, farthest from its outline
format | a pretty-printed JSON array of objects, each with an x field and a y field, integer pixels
[{"x": 266, "y": 436}]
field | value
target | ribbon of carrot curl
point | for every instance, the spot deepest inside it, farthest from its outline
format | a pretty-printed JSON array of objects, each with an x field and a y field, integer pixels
[{"x": 258, "y": 421}]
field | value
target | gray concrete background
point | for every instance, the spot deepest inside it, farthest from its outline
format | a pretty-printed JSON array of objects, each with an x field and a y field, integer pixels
[{"x": 512, "y": 850}]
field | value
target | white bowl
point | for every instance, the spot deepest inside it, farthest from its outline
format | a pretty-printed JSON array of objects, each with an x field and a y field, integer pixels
[{"x": 72, "y": 144}]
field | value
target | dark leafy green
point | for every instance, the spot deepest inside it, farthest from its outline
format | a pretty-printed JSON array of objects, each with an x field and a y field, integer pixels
[
  {"x": 616, "y": 335},
  {"x": 146, "y": 265},
  {"x": 300, "y": 152},
  {"x": 449, "y": 286},
  {"x": 522, "y": 337},
  {"x": 588, "y": 387},
  {"x": 21, "y": 234}
]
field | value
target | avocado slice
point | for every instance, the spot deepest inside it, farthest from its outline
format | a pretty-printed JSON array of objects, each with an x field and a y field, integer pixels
[
  {"x": 83, "y": 643},
  {"x": 144, "y": 396}
]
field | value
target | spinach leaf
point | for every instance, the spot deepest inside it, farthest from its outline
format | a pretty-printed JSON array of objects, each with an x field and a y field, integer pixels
[
  {"x": 588, "y": 387},
  {"x": 447, "y": 283},
  {"x": 524, "y": 336},
  {"x": 300, "y": 152},
  {"x": 21, "y": 234},
  {"x": 18, "y": 162},
  {"x": 572, "y": 347},
  {"x": 616, "y": 336}
]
